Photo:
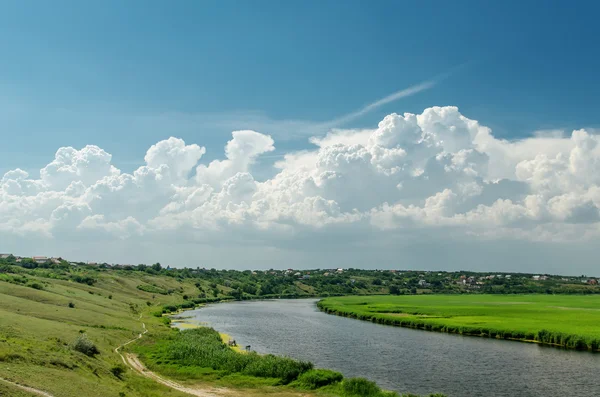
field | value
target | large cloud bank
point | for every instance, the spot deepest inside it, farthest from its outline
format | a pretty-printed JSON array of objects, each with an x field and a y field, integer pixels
[{"x": 437, "y": 175}]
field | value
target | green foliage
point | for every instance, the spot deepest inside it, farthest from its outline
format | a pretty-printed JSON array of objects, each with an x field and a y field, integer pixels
[
  {"x": 360, "y": 387},
  {"x": 82, "y": 279},
  {"x": 202, "y": 347},
  {"x": 83, "y": 345},
  {"x": 394, "y": 290},
  {"x": 316, "y": 378},
  {"x": 152, "y": 289},
  {"x": 118, "y": 370}
]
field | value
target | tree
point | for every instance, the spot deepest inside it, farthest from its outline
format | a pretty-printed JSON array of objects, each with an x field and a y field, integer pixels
[
  {"x": 394, "y": 290},
  {"x": 157, "y": 267}
]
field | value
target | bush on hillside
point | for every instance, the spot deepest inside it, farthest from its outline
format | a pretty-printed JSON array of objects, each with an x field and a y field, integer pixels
[
  {"x": 83, "y": 279},
  {"x": 118, "y": 370},
  {"x": 83, "y": 345},
  {"x": 153, "y": 289}
]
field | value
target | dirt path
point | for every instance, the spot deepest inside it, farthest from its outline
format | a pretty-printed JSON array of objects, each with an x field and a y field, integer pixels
[
  {"x": 27, "y": 389},
  {"x": 133, "y": 362},
  {"x": 137, "y": 366},
  {"x": 131, "y": 341}
]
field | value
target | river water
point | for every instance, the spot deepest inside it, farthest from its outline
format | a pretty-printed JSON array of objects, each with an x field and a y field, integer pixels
[{"x": 402, "y": 359}]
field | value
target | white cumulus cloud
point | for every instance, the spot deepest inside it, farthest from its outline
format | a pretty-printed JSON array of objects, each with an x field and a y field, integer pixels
[{"x": 437, "y": 178}]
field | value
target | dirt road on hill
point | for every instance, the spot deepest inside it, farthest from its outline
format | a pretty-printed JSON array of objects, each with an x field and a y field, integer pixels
[
  {"x": 133, "y": 362},
  {"x": 27, "y": 388}
]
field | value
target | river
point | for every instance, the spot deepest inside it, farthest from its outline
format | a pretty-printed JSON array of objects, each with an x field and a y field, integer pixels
[{"x": 402, "y": 359}]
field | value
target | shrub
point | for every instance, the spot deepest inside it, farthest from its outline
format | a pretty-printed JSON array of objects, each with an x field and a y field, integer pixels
[
  {"x": 109, "y": 296},
  {"x": 169, "y": 309},
  {"x": 83, "y": 279},
  {"x": 316, "y": 378},
  {"x": 153, "y": 289},
  {"x": 118, "y": 370},
  {"x": 37, "y": 286},
  {"x": 83, "y": 345},
  {"x": 71, "y": 305}
]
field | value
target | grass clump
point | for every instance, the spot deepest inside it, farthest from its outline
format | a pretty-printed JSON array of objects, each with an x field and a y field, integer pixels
[
  {"x": 83, "y": 345},
  {"x": 360, "y": 387},
  {"x": 316, "y": 378}
]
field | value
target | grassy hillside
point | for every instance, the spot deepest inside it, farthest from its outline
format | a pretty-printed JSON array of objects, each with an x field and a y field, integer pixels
[
  {"x": 565, "y": 320},
  {"x": 60, "y": 325},
  {"x": 41, "y": 318}
]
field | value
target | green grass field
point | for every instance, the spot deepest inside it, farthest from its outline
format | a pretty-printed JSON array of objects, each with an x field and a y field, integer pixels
[{"x": 565, "y": 320}]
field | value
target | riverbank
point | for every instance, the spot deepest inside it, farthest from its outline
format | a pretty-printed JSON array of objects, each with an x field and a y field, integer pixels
[
  {"x": 565, "y": 321},
  {"x": 199, "y": 355}
]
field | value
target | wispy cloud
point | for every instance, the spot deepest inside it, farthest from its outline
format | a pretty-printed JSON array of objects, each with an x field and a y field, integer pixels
[{"x": 415, "y": 89}]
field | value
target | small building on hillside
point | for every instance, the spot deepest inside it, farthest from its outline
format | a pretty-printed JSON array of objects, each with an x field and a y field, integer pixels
[{"x": 40, "y": 259}]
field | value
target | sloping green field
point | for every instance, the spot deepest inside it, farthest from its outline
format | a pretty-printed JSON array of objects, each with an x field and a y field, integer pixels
[
  {"x": 38, "y": 327},
  {"x": 571, "y": 321}
]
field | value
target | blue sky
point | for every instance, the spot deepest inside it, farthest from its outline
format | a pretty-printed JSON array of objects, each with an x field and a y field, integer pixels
[
  {"x": 172, "y": 89},
  {"x": 124, "y": 75}
]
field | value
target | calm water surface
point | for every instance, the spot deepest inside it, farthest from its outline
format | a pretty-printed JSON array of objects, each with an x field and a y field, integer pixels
[{"x": 403, "y": 359}]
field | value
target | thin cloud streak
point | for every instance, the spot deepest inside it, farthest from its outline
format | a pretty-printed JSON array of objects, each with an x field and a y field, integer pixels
[{"x": 415, "y": 89}]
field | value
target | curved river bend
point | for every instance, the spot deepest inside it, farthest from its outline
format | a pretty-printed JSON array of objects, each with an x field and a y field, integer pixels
[{"x": 403, "y": 359}]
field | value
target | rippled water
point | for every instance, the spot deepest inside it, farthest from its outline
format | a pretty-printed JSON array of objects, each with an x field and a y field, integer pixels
[{"x": 403, "y": 359}]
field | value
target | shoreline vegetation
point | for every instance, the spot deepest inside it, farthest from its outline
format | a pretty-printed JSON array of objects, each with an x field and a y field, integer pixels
[
  {"x": 560, "y": 321},
  {"x": 196, "y": 353}
]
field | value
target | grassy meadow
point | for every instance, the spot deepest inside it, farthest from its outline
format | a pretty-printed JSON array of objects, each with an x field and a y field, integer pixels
[
  {"x": 564, "y": 320},
  {"x": 39, "y": 325}
]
